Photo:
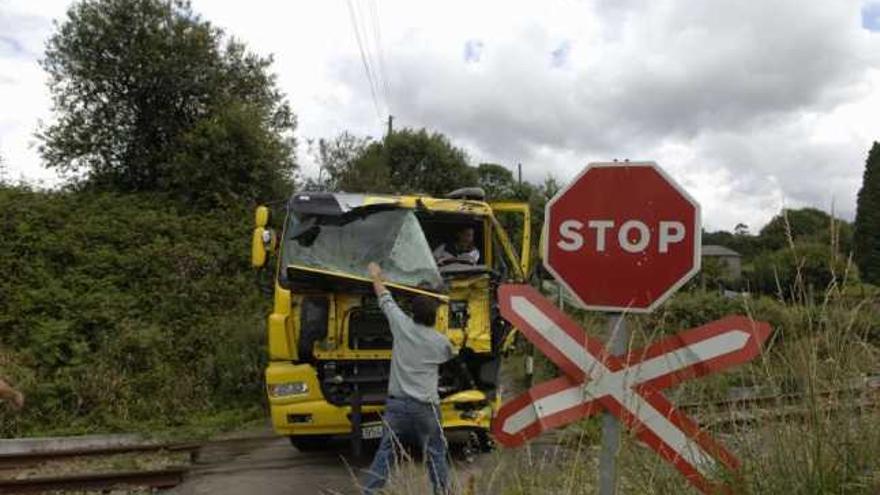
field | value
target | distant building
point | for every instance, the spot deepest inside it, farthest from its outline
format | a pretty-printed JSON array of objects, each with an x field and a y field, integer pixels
[{"x": 729, "y": 259}]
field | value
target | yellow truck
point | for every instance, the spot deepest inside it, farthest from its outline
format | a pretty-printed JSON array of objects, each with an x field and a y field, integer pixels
[{"x": 330, "y": 345}]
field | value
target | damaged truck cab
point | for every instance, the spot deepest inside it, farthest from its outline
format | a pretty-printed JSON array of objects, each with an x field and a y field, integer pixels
[{"x": 329, "y": 343}]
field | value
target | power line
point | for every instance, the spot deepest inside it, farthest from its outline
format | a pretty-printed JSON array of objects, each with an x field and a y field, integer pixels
[
  {"x": 377, "y": 31},
  {"x": 364, "y": 59},
  {"x": 365, "y": 25}
]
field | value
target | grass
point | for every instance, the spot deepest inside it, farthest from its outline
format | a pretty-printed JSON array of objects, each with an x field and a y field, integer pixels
[
  {"x": 827, "y": 443},
  {"x": 192, "y": 428}
]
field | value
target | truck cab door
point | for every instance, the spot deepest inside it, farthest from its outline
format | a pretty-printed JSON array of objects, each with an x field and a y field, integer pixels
[{"x": 523, "y": 217}]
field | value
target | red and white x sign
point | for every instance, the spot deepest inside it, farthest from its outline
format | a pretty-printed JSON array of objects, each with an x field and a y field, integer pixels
[{"x": 627, "y": 386}]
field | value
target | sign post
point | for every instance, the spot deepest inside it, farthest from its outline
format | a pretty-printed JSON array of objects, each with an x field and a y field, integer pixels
[
  {"x": 610, "y": 426},
  {"x": 628, "y": 387},
  {"x": 622, "y": 237}
]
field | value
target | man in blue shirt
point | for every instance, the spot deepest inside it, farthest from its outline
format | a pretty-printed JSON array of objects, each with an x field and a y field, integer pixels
[{"x": 412, "y": 411}]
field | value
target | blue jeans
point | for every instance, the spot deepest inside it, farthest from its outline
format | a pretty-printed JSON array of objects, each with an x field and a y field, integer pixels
[{"x": 408, "y": 421}]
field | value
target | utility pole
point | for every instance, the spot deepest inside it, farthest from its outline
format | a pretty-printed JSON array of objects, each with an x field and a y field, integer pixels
[
  {"x": 519, "y": 174},
  {"x": 386, "y": 149}
]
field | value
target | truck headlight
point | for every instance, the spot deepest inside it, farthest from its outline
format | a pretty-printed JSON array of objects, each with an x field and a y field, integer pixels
[{"x": 288, "y": 388}]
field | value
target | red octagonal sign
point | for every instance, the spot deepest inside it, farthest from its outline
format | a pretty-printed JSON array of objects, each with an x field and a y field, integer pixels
[{"x": 622, "y": 236}]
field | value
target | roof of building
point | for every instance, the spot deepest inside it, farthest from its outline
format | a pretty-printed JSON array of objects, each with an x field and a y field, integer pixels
[{"x": 716, "y": 250}]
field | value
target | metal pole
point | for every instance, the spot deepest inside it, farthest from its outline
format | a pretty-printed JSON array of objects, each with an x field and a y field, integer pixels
[
  {"x": 560, "y": 296},
  {"x": 610, "y": 426},
  {"x": 530, "y": 366}
]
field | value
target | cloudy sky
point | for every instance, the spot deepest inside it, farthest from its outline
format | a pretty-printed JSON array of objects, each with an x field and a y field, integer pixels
[{"x": 750, "y": 105}]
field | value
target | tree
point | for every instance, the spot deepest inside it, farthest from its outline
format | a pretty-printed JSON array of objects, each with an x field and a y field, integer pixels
[
  {"x": 335, "y": 158},
  {"x": 866, "y": 238},
  {"x": 496, "y": 180},
  {"x": 801, "y": 271},
  {"x": 741, "y": 229},
  {"x": 407, "y": 161},
  {"x": 804, "y": 225},
  {"x": 150, "y": 97},
  {"x": 743, "y": 243}
]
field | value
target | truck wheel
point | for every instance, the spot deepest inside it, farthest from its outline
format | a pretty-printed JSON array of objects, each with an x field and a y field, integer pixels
[
  {"x": 485, "y": 441},
  {"x": 310, "y": 443}
]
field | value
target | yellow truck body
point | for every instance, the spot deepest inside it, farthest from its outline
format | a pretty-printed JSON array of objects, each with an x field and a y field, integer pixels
[{"x": 329, "y": 345}]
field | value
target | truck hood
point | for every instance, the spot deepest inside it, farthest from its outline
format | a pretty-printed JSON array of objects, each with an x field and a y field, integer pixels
[
  {"x": 335, "y": 204},
  {"x": 309, "y": 278}
]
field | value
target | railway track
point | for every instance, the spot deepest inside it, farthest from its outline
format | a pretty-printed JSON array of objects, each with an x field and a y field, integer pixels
[
  {"x": 159, "y": 479},
  {"x": 166, "y": 477},
  {"x": 30, "y": 459},
  {"x": 11, "y": 465},
  {"x": 752, "y": 409},
  {"x": 717, "y": 414}
]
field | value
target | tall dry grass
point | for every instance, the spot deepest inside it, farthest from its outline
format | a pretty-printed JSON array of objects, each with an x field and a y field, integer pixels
[{"x": 820, "y": 435}]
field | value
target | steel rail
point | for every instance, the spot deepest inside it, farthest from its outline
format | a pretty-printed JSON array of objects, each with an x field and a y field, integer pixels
[
  {"x": 28, "y": 459},
  {"x": 164, "y": 478}
]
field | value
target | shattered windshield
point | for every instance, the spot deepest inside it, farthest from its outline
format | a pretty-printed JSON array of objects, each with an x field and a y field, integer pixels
[{"x": 392, "y": 238}]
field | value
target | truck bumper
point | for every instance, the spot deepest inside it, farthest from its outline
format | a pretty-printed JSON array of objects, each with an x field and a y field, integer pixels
[{"x": 311, "y": 414}]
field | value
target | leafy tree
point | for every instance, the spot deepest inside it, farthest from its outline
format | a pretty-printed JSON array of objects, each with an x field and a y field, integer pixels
[
  {"x": 411, "y": 161},
  {"x": 2, "y": 171},
  {"x": 798, "y": 272},
  {"x": 746, "y": 245},
  {"x": 550, "y": 187},
  {"x": 537, "y": 196},
  {"x": 867, "y": 227},
  {"x": 496, "y": 180},
  {"x": 336, "y": 158},
  {"x": 804, "y": 225},
  {"x": 150, "y": 97},
  {"x": 228, "y": 159}
]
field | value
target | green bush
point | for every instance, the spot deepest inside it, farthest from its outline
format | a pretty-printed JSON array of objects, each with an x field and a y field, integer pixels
[
  {"x": 800, "y": 272},
  {"x": 117, "y": 310},
  {"x": 822, "y": 439}
]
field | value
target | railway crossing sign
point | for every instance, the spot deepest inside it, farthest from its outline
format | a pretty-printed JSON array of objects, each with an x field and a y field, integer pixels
[
  {"x": 627, "y": 386},
  {"x": 622, "y": 236}
]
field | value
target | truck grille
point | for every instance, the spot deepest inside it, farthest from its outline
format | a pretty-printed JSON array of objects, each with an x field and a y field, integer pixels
[{"x": 368, "y": 329}]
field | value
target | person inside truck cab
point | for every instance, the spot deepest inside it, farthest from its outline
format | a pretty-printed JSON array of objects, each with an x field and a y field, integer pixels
[{"x": 463, "y": 250}]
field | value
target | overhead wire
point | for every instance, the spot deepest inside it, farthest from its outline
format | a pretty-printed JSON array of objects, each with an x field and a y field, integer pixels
[
  {"x": 377, "y": 32},
  {"x": 364, "y": 59},
  {"x": 366, "y": 25}
]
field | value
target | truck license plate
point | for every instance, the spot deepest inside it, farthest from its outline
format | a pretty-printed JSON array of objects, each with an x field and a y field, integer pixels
[{"x": 370, "y": 432}]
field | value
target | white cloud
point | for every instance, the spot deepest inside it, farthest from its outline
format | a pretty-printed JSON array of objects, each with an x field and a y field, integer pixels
[
  {"x": 748, "y": 104},
  {"x": 23, "y": 95}
]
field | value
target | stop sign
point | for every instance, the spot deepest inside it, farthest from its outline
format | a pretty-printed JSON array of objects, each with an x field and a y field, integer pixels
[{"x": 622, "y": 236}]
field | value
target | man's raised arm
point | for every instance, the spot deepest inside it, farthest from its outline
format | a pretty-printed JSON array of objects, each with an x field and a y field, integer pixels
[{"x": 376, "y": 274}]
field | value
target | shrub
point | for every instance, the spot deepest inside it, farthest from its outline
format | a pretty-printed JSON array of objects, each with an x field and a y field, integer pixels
[
  {"x": 122, "y": 309},
  {"x": 801, "y": 271}
]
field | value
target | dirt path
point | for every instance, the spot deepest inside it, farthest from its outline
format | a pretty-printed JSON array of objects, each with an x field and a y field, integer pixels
[
  {"x": 270, "y": 465},
  {"x": 267, "y": 464}
]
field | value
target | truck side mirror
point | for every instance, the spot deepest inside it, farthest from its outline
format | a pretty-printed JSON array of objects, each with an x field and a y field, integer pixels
[{"x": 263, "y": 238}]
